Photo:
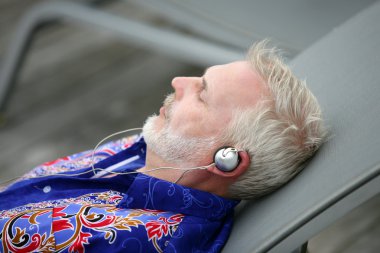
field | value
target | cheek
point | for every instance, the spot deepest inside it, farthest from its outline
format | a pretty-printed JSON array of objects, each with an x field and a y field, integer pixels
[
  {"x": 187, "y": 120},
  {"x": 196, "y": 122}
]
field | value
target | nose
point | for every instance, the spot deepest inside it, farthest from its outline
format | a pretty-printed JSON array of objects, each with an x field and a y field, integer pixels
[{"x": 184, "y": 85}]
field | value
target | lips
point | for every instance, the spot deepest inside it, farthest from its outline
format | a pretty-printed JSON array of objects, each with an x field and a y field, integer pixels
[
  {"x": 162, "y": 111},
  {"x": 165, "y": 110}
]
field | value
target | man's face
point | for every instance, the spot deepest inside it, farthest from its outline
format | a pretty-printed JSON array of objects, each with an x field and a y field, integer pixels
[{"x": 192, "y": 119}]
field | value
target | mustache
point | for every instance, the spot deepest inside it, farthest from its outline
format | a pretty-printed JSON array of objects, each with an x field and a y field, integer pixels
[{"x": 168, "y": 104}]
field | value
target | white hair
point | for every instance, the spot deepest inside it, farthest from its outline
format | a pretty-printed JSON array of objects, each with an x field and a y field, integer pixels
[{"x": 280, "y": 133}]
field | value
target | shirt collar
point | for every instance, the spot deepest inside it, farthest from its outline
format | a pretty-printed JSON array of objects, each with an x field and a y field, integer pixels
[{"x": 147, "y": 192}]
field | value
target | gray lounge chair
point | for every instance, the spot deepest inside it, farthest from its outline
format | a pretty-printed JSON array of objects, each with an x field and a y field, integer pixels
[{"x": 342, "y": 70}]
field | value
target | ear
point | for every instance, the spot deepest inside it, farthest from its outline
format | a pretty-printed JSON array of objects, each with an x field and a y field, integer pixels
[{"x": 242, "y": 167}]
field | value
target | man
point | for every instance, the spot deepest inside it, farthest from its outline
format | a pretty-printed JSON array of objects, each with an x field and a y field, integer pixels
[{"x": 167, "y": 191}]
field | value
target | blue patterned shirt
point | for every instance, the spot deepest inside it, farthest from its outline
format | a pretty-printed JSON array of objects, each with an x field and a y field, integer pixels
[{"x": 108, "y": 212}]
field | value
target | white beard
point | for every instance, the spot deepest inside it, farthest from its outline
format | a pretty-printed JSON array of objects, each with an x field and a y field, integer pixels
[{"x": 172, "y": 147}]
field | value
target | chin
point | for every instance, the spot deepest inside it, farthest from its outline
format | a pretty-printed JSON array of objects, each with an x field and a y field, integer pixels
[
  {"x": 155, "y": 136},
  {"x": 150, "y": 123},
  {"x": 172, "y": 147},
  {"x": 152, "y": 129}
]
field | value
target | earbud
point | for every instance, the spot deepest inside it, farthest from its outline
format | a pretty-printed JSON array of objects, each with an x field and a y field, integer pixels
[{"x": 226, "y": 159}]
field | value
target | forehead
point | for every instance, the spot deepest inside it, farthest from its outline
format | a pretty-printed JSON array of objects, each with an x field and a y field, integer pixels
[{"x": 236, "y": 84}]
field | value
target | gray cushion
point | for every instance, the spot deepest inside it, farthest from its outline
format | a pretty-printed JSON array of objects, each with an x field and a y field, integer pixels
[{"x": 343, "y": 71}]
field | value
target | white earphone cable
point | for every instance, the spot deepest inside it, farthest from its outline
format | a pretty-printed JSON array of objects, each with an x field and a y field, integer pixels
[{"x": 106, "y": 138}]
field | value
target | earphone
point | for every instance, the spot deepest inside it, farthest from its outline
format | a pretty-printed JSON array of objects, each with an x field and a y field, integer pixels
[{"x": 226, "y": 159}]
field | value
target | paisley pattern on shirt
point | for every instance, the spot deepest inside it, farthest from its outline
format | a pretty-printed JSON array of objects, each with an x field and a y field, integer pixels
[{"x": 74, "y": 224}]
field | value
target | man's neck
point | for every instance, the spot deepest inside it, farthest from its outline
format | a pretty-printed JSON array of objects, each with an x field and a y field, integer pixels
[
  {"x": 155, "y": 166},
  {"x": 201, "y": 179}
]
